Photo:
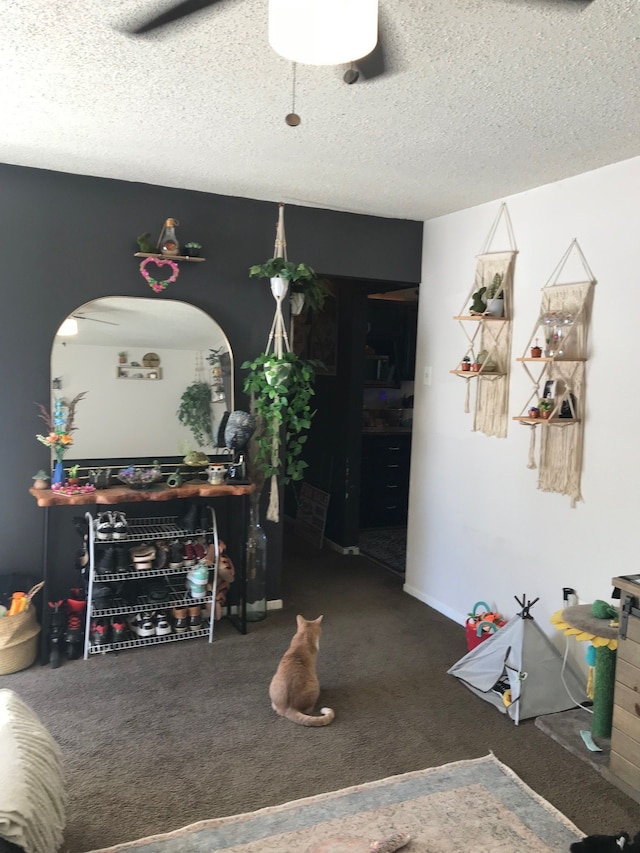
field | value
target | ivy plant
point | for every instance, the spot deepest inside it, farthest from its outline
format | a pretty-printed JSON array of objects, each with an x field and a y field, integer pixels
[
  {"x": 195, "y": 412},
  {"x": 303, "y": 279},
  {"x": 283, "y": 411}
]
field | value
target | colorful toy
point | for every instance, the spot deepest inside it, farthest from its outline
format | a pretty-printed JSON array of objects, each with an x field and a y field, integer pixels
[{"x": 481, "y": 624}]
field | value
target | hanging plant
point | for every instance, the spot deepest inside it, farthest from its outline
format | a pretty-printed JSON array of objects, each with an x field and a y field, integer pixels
[
  {"x": 302, "y": 277},
  {"x": 195, "y": 412},
  {"x": 282, "y": 406}
]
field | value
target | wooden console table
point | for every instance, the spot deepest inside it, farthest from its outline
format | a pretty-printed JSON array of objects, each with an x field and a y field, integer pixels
[{"x": 115, "y": 495}]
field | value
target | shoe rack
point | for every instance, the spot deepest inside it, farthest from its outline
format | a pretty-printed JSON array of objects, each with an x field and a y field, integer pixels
[{"x": 138, "y": 531}]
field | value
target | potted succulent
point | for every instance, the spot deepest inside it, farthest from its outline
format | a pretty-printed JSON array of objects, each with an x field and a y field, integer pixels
[
  {"x": 546, "y": 407},
  {"x": 192, "y": 250},
  {"x": 495, "y": 296},
  {"x": 122, "y": 358},
  {"x": 534, "y": 412},
  {"x": 536, "y": 351},
  {"x": 301, "y": 277},
  {"x": 72, "y": 475},
  {"x": 466, "y": 364}
]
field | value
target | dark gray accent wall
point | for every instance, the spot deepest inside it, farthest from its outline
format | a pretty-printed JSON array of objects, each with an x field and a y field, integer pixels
[{"x": 67, "y": 239}]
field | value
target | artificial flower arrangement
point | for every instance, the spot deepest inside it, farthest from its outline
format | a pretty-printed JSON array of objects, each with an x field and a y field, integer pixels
[{"x": 60, "y": 424}]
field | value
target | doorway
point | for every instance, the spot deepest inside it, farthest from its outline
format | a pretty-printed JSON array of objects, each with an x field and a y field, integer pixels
[{"x": 358, "y": 449}]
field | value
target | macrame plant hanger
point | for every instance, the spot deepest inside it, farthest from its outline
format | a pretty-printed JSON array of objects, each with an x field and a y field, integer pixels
[
  {"x": 560, "y": 457},
  {"x": 491, "y": 336},
  {"x": 278, "y": 338},
  {"x": 277, "y": 344}
]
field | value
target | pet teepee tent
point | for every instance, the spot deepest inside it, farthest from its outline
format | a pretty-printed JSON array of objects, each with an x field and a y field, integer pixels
[{"x": 519, "y": 670}]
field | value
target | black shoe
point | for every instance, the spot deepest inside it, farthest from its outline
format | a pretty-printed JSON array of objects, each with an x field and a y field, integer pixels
[
  {"x": 205, "y": 519},
  {"x": 189, "y": 520},
  {"x": 157, "y": 590},
  {"x": 176, "y": 555},
  {"x": 106, "y": 565},
  {"x": 103, "y": 594},
  {"x": 123, "y": 564},
  {"x": 57, "y": 622},
  {"x": 74, "y": 636},
  {"x": 162, "y": 554},
  {"x": 99, "y": 632}
]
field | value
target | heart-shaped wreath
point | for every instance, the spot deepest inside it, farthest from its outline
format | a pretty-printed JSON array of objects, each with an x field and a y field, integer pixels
[{"x": 159, "y": 285}]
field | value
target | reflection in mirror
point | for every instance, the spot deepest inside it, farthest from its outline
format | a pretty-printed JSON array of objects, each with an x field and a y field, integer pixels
[{"x": 135, "y": 358}]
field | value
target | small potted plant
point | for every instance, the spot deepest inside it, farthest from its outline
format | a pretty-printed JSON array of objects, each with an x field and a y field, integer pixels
[
  {"x": 192, "y": 250},
  {"x": 122, "y": 358},
  {"x": 476, "y": 365},
  {"x": 546, "y": 407},
  {"x": 536, "y": 351},
  {"x": 41, "y": 480},
  {"x": 72, "y": 475},
  {"x": 466, "y": 364},
  {"x": 534, "y": 412}
]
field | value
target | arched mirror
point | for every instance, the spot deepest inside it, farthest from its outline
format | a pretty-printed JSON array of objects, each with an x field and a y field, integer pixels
[{"x": 136, "y": 358}]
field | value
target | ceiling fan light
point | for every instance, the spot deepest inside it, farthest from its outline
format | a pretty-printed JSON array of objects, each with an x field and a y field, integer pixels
[
  {"x": 323, "y": 32},
  {"x": 68, "y": 328}
]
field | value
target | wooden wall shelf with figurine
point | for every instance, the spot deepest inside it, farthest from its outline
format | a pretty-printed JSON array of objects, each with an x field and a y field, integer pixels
[{"x": 169, "y": 257}]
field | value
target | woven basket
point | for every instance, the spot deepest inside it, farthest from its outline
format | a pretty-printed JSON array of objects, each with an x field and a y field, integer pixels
[{"x": 19, "y": 637}]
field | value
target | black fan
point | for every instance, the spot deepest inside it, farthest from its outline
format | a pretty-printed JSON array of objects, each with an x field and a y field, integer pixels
[{"x": 367, "y": 67}]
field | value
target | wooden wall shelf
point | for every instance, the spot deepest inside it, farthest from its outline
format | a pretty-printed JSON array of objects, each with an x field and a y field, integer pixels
[
  {"x": 168, "y": 257},
  {"x": 122, "y": 494}
]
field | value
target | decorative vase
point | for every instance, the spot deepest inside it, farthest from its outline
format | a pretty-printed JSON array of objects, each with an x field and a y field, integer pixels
[
  {"x": 256, "y": 564},
  {"x": 58, "y": 474}
]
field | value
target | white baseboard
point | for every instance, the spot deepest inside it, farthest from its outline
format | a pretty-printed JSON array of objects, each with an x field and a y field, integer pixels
[
  {"x": 437, "y": 605},
  {"x": 349, "y": 550}
]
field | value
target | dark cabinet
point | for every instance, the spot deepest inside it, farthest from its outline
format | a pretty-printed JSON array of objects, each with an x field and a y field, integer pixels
[{"x": 384, "y": 479}]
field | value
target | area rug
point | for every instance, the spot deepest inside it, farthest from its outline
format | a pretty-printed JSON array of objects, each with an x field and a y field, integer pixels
[
  {"x": 478, "y": 805},
  {"x": 386, "y": 545}
]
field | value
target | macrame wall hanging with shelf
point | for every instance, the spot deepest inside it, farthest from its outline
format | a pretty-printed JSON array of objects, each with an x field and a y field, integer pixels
[
  {"x": 485, "y": 319},
  {"x": 555, "y": 362}
]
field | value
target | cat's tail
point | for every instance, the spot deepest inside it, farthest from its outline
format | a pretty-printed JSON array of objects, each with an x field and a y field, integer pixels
[{"x": 327, "y": 716}]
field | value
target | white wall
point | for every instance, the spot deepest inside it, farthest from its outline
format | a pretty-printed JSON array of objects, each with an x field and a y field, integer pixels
[{"x": 479, "y": 528}]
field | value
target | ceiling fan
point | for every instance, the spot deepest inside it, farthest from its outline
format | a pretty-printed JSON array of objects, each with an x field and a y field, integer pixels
[
  {"x": 369, "y": 66},
  {"x": 94, "y": 320}
]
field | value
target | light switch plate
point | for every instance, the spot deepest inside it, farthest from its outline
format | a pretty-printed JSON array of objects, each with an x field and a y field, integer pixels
[{"x": 427, "y": 376}]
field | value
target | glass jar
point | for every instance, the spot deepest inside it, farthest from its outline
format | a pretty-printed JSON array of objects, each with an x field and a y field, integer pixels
[{"x": 256, "y": 564}]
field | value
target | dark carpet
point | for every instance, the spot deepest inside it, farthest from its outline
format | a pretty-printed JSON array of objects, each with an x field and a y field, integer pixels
[
  {"x": 387, "y": 546},
  {"x": 157, "y": 738}
]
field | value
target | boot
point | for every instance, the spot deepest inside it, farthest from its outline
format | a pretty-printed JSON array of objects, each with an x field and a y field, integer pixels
[
  {"x": 74, "y": 635},
  {"x": 189, "y": 520},
  {"x": 57, "y": 624}
]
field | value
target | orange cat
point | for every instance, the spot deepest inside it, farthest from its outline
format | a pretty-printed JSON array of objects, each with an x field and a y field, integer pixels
[{"x": 295, "y": 688}]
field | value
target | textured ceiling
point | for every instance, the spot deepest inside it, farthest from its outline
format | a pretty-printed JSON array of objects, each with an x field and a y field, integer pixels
[{"x": 484, "y": 98}]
